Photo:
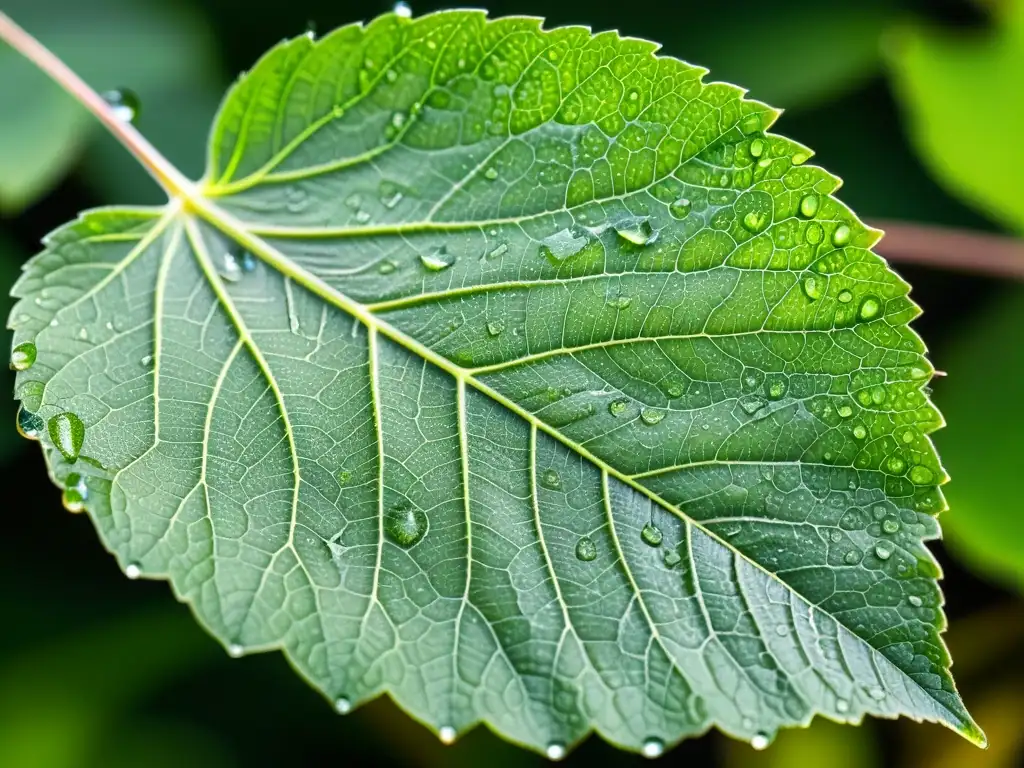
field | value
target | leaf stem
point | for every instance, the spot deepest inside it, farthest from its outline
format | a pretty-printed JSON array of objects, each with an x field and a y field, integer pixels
[
  {"x": 165, "y": 174},
  {"x": 961, "y": 250}
]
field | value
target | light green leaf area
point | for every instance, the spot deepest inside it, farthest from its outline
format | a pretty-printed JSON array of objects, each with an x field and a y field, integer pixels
[
  {"x": 520, "y": 375},
  {"x": 965, "y": 118}
]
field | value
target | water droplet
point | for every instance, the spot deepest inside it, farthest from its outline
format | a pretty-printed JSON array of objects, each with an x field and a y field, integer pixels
[
  {"x": 757, "y": 147},
  {"x": 586, "y": 550},
  {"x": 447, "y": 734},
  {"x": 123, "y": 103},
  {"x": 390, "y": 201},
  {"x": 343, "y": 477},
  {"x": 438, "y": 261},
  {"x": 652, "y": 748},
  {"x": 561, "y": 245},
  {"x": 146, "y": 361},
  {"x": 402, "y": 10},
  {"x": 845, "y": 296},
  {"x": 650, "y": 416},
  {"x": 760, "y": 741},
  {"x": 842, "y": 706},
  {"x": 814, "y": 233},
  {"x": 235, "y": 650},
  {"x": 781, "y": 630},
  {"x": 754, "y": 221},
  {"x": 674, "y": 389},
  {"x": 230, "y": 269},
  {"x": 491, "y": 173},
  {"x": 248, "y": 262},
  {"x": 891, "y": 525},
  {"x": 920, "y": 475},
  {"x": 878, "y": 394},
  {"x": 852, "y": 557},
  {"x": 555, "y": 751},
  {"x": 498, "y": 251},
  {"x": 23, "y": 356},
  {"x": 550, "y": 478},
  {"x": 869, "y": 308},
  {"x": 73, "y": 500},
  {"x": 813, "y": 288},
  {"x": 908, "y": 436},
  {"x": 406, "y": 524},
  {"x": 776, "y": 389},
  {"x": 841, "y": 236},
  {"x": 681, "y": 208},
  {"x": 883, "y": 550},
  {"x": 354, "y": 200},
  {"x": 915, "y": 601},
  {"x": 750, "y": 124},
  {"x": 342, "y": 705},
  {"x": 67, "y": 433},
  {"x": 133, "y": 571},
  {"x": 495, "y": 327},
  {"x": 671, "y": 558},
  {"x": 751, "y": 404},
  {"x": 30, "y": 426},
  {"x": 876, "y": 693},
  {"x": 844, "y": 411},
  {"x": 637, "y": 232},
  {"x": 799, "y": 158},
  {"x": 651, "y": 534},
  {"x": 386, "y": 267},
  {"x": 362, "y": 216},
  {"x": 809, "y": 206},
  {"x": 618, "y": 407},
  {"x": 895, "y": 464}
]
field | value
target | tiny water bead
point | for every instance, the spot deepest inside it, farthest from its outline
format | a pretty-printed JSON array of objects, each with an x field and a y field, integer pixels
[
  {"x": 550, "y": 478},
  {"x": 67, "y": 432},
  {"x": 618, "y": 407},
  {"x": 235, "y": 650},
  {"x": 30, "y": 426},
  {"x": 248, "y": 262},
  {"x": 841, "y": 236},
  {"x": 555, "y": 751},
  {"x": 342, "y": 705},
  {"x": 23, "y": 356},
  {"x": 652, "y": 748},
  {"x": 651, "y": 535},
  {"x": 809, "y": 206},
  {"x": 760, "y": 741},
  {"x": 845, "y": 296},
  {"x": 405, "y": 524},
  {"x": 230, "y": 269},
  {"x": 842, "y": 706},
  {"x": 495, "y": 328},
  {"x": 650, "y": 416},
  {"x": 852, "y": 557},
  {"x": 438, "y": 261},
  {"x": 586, "y": 550},
  {"x": 133, "y": 571},
  {"x": 491, "y": 173},
  {"x": 447, "y": 734},
  {"x": 869, "y": 308},
  {"x": 402, "y": 10},
  {"x": 915, "y": 601},
  {"x": 123, "y": 103},
  {"x": 386, "y": 267},
  {"x": 799, "y": 158},
  {"x": 75, "y": 493}
]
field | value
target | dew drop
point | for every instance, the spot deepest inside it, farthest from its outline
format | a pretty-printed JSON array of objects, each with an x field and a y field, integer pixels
[
  {"x": 852, "y": 557},
  {"x": 895, "y": 464},
  {"x": 586, "y": 550},
  {"x": 555, "y": 751},
  {"x": 248, "y": 262},
  {"x": 491, "y": 174},
  {"x": 751, "y": 404},
  {"x": 869, "y": 308},
  {"x": 883, "y": 550},
  {"x": 915, "y": 601},
  {"x": 809, "y": 206},
  {"x": 386, "y": 267},
  {"x": 876, "y": 693},
  {"x": 30, "y": 426},
  {"x": 777, "y": 389},
  {"x": 230, "y": 269},
  {"x": 73, "y": 500},
  {"x": 437, "y": 261},
  {"x": 920, "y": 475},
  {"x": 845, "y": 296},
  {"x": 918, "y": 373},
  {"x": 23, "y": 356},
  {"x": 750, "y": 124},
  {"x": 757, "y": 147},
  {"x": 760, "y": 741},
  {"x": 651, "y": 534},
  {"x": 841, "y": 236},
  {"x": 844, "y": 411},
  {"x": 498, "y": 251},
  {"x": 550, "y": 478},
  {"x": 342, "y": 705},
  {"x": 812, "y": 288},
  {"x": 814, "y": 233},
  {"x": 123, "y": 103},
  {"x": 67, "y": 433},
  {"x": 362, "y": 216},
  {"x": 406, "y": 524},
  {"x": 671, "y": 558},
  {"x": 390, "y": 201},
  {"x": 638, "y": 233},
  {"x": 235, "y": 650},
  {"x": 495, "y": 328},
  {"x": 132, "y": 571},
  {"x": 561, "y": 245},
  {"x": 146, "y": 361},
  {"x": 402, "y": 10},
  {"x": 652, "y": 748},
  {"x": 681, "y": 208},
  {"x": 890, "y": 525},
  {"x": 842, "y": 706},
  {"x": 781, "y": 630},
  {"x": 754, "y": 221},
  {"x": 650, "y": 416},
  {"x": 618, "y": 407},
  {"x": 799, "y": 158},
  {"x": 447, "y": 734}
]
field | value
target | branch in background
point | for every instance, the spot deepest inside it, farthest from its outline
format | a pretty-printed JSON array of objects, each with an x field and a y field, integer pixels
[{"x": 954, "y": 249}]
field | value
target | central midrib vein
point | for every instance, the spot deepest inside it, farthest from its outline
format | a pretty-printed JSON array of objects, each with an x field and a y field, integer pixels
[{"x": 237, "y": 230}]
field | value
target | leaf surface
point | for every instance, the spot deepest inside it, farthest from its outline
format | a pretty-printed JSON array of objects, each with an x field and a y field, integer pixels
[{"x": 518, "y": 374}]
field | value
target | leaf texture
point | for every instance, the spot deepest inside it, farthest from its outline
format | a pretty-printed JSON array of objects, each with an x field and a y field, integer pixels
[{"x": 521, "y": 375}]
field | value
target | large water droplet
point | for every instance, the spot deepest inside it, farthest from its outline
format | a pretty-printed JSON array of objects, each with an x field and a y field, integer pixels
[
  {"x": 920, "y": 475},
  {"x": 842, "y": 706},
  {"x": 869, "y": 308},
  {"x": 555, "y": 751},
  {"x": 586, "y": 550},
  {"x": 841, "y": 236},
  {"x": 438, "y": 261},
  {"x": 776, "y": 389},
  {"x": 813, "y": 288},
  {"x": 915, "y": 601},
  {"x": 342, "y": 705},
  {"x": 891, "y": 525},
  {"x": 760, "y": 741},
  {"x": 844, "y": 411},
  {"x": 406, "y": 524},
  {"x": 123, "y": 103},
  {"x": 30, "y": 426},
  {"x": 230, "y": 269},
  {"x": 751, "y": 404},
  {"x": 638, "y": 232},
  {"x": 75, "y": 493},
  {"x": 402, "y": 10},
  {"x": 681, "y": 208},
  {"x": 67, "y": 433},
  {"x": 845, "y": 296},
  {"x": 651, "y": 534},
  {"x": 134, "y": 571},
  {"x": 652, "y": 748},
  {"x": 447, "y": 734},
  {"x": 883, "y": 550},
  {"x": 386, "y": 267},
  {"x": 757, "y": 147},
  {"x": 618, "y": 407},
  {"x": 895, "y": 464},
  {"x": 550, "y": 478},
  {"x": 809, "y": 206},
  {"x": 754, "y": 221},
  {"x": 651, "y": 416},
  {"x": 561, "y": 245},
  {"x": 814, "y": 233},
  {"x": 852, "y": 557},
  {"x": 750, "y": 124},
  {"x": 799, "y": 158},
  {"x": 23, "y": 356}
]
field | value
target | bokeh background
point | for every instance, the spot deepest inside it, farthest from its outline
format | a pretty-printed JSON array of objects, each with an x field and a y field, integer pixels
[{"x": 917, "y": 104}]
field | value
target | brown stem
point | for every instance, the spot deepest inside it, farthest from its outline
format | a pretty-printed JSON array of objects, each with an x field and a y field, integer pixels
[
  {"x": 169, "y": 177},
  {"x": 954, "y": 249}
]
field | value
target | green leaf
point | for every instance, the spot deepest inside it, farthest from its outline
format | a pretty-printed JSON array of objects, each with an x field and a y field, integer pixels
[
  {"x": 108, "y": 42},
  {"x": 965, "y": 119},
  {"x": 986, "y": 527},
  {"x": 518, "y": 374}
]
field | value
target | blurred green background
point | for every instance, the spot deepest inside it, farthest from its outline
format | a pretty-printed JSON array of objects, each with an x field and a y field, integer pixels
[{"x": 917, "y": 104}]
